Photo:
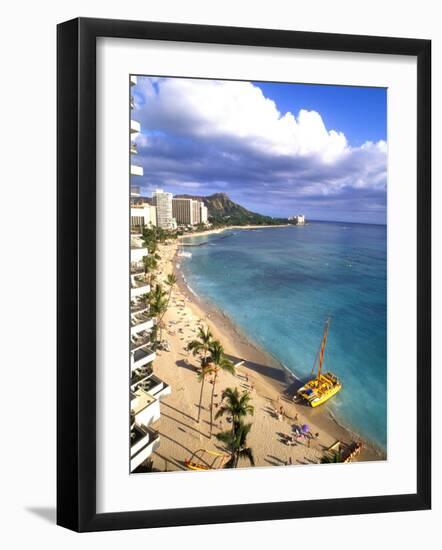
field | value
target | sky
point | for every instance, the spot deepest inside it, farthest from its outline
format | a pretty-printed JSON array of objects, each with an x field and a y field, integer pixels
[{"x": 275, "y": 148}]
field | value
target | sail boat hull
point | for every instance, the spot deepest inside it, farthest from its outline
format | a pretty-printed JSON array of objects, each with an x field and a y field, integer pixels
[{"x": 319, "y": 390}]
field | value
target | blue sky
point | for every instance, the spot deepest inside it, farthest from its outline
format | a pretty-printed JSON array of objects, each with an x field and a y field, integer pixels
[
  {"x": 277, "y": 149},
  {"x": 361, "y": 113}
]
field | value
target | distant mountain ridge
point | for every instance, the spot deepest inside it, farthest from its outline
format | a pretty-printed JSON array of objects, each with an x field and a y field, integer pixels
[{"x": 222, "y": 210}]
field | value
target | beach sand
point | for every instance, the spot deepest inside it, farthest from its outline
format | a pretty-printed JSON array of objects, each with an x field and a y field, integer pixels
[{"x": 271, "y": 387}]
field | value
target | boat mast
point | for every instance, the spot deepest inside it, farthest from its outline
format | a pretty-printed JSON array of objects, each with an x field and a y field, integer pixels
[{"x": 321, "y": 353}]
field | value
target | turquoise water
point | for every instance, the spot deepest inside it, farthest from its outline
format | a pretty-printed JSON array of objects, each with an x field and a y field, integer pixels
[{"x": 280, "y": 284}]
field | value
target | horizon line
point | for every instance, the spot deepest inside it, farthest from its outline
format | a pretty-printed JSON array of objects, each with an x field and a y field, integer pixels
[{"x": 268, "y": 215}]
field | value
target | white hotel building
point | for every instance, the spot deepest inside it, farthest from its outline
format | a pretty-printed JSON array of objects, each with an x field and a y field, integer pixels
[
  {"x": 144, "y": 214},
  {"x": 163, "y": 203},
  {"x": 299, "y": 219},
  {"x": 146, "y": 388},
  {"x": 189, "y": 211}
]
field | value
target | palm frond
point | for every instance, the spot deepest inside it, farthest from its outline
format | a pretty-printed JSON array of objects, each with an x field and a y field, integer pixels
[
  {"x": 221, "y": 412},
  {"x": 247, "y": 453},
  {"x": 171, "y": 279},
  {"x": 226, "y": 438},
  {"x": 230, "y": 463}
]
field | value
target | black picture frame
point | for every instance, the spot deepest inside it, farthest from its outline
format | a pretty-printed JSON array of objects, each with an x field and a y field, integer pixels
[{"x": 76, "y": 273}]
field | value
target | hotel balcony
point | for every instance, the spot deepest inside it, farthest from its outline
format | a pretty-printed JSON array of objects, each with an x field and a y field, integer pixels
[
  {"x": 139, "y": 340},
  {"x": 137, "y": 253},
  {"x": 133, "y": 149},
  {"x": 141, "y": 357},
  {"x": 136, "y": 170},
  {"x": 136, "y": 240},
  {"x": 139, "y": 375},
  {"x": 144, "y": 441},
  {"x": 136, "y": 268},
  {"x": 133, "y": 80},
  {"x": 138, "y": 306},
  {"x": 140, "y": 322},
  {"x": 144, "y": 407},
  {"x": 155, "y": 387},
  {"x": 139, "y": 286},
  {"x": 135, "y": 127}
]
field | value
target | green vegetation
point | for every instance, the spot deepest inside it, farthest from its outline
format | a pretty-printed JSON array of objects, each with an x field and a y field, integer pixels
[
  {"x": 201, "y": 346},
  {"x": 171, "y": 281},
  {"x": 158, "y": 307},
  {"x": 237, "y": 406},
  {"x": 154, "y": 235},
  {"x": 218, "y": 361},
  {"x": 236, "y": 443},
  {"x": 150, "y": 264}
]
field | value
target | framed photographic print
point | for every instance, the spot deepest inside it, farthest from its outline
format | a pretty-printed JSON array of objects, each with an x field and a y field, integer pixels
[{"x": 243, "y": 274}]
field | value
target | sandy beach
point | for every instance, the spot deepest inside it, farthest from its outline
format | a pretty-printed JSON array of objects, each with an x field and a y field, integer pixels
[{"x": 271, "y": 387}]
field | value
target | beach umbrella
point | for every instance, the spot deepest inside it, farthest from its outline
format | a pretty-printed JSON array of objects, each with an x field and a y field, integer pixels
[{"x": 305, "y": 428}]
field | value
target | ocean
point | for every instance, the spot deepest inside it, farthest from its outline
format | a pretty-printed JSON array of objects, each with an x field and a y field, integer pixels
[{"x": 279, "y": 285}]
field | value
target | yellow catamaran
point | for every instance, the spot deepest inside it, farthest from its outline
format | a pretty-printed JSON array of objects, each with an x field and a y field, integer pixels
[{"x": 325, "y": 385}]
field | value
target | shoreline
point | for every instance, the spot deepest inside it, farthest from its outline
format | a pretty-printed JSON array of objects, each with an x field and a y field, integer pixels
[
  {"x": 271, "y": 384},
  {"x": 287, "y": 382},
  {"x": 233, "y": 227}
]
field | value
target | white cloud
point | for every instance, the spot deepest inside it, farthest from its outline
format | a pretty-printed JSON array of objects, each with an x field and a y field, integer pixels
[
  {"x": 225, "y": 134},
  {"x": 209, "y": 108}
]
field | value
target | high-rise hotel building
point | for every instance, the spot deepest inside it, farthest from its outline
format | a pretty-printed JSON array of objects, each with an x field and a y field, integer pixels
[
  {"x": 143, "y": 215},
  {"x": 189, "y": 211},
  {"x": 204, "y": 213},
  {"x": 163, "y": 203},
  {"x": 135, "y": 129},
  {"x": 146, "y": 388}
]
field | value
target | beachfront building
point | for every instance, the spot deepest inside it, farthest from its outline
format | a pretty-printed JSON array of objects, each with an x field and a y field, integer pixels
[
  {"x": 298, "y": 220},
  {"x": 164, "y": 212},
  {"x": 146, "y": 388},
  {"x": 204, "y": 213},
  {"x": 196, "y": 212},
  {"x": 143, "y": 440},
  {"x": 182, "y": 211},
  {"x": 189, "y": 211},
  {"x": 143, "y": 215},
  {"x": 135, "y": 129}
]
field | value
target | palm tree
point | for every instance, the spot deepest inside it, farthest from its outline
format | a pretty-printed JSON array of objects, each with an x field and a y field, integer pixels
[
  {"x": 236, "y": 443},
  {"x": 158, "y": 304},
  {"x": 150, "y": 264},
  {"x": 205, "y": 370},
  {"x": 219, "y": 362},
  {"x": 170, "y": 282},
  {"x": 202, "y": 344},
  {"x": 201, "y": 347},
  {"x": 146, "y": 299},
  {"x": 236, "y": 405}
]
